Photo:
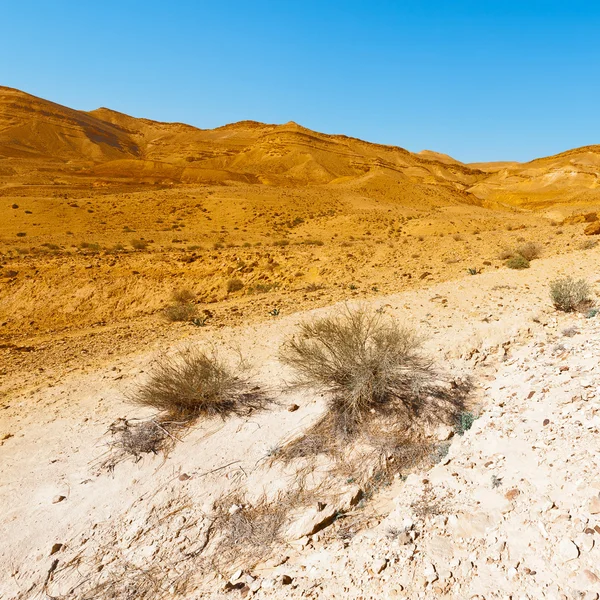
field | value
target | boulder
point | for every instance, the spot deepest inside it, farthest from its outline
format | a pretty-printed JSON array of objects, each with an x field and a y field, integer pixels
[
  {"x": 311, "y": 520},
  {"x": 592, "y": 228}
]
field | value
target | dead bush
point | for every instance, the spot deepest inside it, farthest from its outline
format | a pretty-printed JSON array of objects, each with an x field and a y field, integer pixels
[
  {"x": 530, "y": 250},
  {"x": 569, "y": 294},
  {"x": 135, "y": 439},
  {"x": 193, "y": 384}
]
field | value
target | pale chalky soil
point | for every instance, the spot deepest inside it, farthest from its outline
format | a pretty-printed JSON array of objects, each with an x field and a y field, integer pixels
[{"x": 515, "y": 505}]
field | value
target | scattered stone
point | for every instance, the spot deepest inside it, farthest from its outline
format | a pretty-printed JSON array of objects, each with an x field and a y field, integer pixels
[
  {"x": 184, "y": 477},
  {"x": 378, "y": 566},
  {"x": 286, "y": 579},
  {"x": 56, "y": 548},
  {"x": 58, "y": 499},
  {"x": 568, "y": 550},
  {"x": 293, "y": 408},
  {"x": 594, "y": 505},
  {"x": 512, "y": 494}
]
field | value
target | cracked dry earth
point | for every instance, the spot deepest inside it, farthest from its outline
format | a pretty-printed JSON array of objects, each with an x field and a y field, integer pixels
[{"x": 512, "y": 511}]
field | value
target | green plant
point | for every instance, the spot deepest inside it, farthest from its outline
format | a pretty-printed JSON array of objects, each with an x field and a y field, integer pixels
[
  {"x": 517, "y": 262},
  {"x": 464, "y": 422},
  {"x": 569, "y": 294}
]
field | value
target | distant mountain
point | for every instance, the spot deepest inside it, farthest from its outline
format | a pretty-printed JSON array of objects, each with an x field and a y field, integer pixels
[{"x": 50, "y": 139}]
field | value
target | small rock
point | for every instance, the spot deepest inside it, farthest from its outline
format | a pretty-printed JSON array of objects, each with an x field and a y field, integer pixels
[
  {"x": 310, "y": 521},
  {"x": 286, "y": 579},
  {"x": 594, "y": 505},
  {"x": 430, "y": 573},
  {"x": 58, "y": 499},
  {"x": 512, "y": 494},
  {"x": 444, "y": 433},
  {"x": 293, "y": 408},
  {"x": 379, "y": 565},
  {"x": 56, "y": 548},
  {"x": 184, "y": 477},
  {"x": 236, "y": 575},
  {"x": 234, "y": 508},
  {"x": 568, "y": 550}
]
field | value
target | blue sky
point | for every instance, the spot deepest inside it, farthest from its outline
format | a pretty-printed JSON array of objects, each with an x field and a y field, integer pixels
[{"x": 479, "y": 80}]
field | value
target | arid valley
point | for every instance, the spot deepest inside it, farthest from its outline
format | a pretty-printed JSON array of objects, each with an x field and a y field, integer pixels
[{"x": 128, "y": 244}]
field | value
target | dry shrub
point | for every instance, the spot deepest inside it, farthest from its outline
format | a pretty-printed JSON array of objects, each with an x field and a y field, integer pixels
[
  {"x": 234, "y": 285},
  {"x": 383, "y": 393},
  {"x": 193, "y": 384},
  {"x": 505, "y": 254},
  {"x": 246, "y": 536},
  {"x": 183, "y": 296},
  {"x": 180, "y": 312},
  {"x": 139, "y": 244},
  {"x": 138, "y": 438},
  {"x": 517, "y": 262},
  {"x": 530, "y": 250},
  {"x": 360, "y": 360},
  {"x": 588, "y": 244},
  {"x": 183, "y": 307},
  {"x": 569, "y": 294}
]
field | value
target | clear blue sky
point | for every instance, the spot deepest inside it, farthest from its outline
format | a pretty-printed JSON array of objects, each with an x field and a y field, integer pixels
[{"x": 480, "y": 80}]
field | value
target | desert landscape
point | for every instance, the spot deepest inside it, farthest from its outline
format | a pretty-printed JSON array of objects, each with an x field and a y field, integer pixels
[{"x": 263, "y": 361}]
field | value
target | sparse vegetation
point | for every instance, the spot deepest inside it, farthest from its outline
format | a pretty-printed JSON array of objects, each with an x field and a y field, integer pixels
[
  {"x": 361, "y": 361},
  {"x": 382, "y": 394},
  {"x": 517, "y": 262},
  {"x": 139, "y": 244},
  {"x": 570, "y": 294},
  {"x": 193, "y": 384},
  {"x": 530, "y": 250},
  {"x": 588, "y": 244},
  {"x": 234, "y": 285},
  {"x": 183, "y": 309},
  {"x": 180, "y": 312}
]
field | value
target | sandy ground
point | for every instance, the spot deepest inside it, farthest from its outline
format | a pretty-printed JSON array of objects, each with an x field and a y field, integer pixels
[{"x": 55, "y": 435}]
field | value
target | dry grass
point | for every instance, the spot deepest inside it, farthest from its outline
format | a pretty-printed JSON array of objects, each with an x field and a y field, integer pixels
[
  {"x": 383, "y": 394},
  {"x": 234, "y": 285},
  {"x": 361, "y": 361},
  {"x": 569, "y": 294},
  {"x": 180, "y": 312},
  {"x": 183, "y": 296},
  {"x": 529, "y": 251},
  {"x": 183, "y": 308},
  {"x": 193, "y": 384},
  {"x": 517, "y": 262}
]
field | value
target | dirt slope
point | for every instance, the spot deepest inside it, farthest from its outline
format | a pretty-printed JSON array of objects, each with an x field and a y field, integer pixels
[{"x": 463, "y": 532}]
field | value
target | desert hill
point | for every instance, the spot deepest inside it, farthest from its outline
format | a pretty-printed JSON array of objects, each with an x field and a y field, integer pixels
[
  {"x": 126, "y": 148},
  {"x": 109, "y": 146},
  {"x": 103, "y": 215}
]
